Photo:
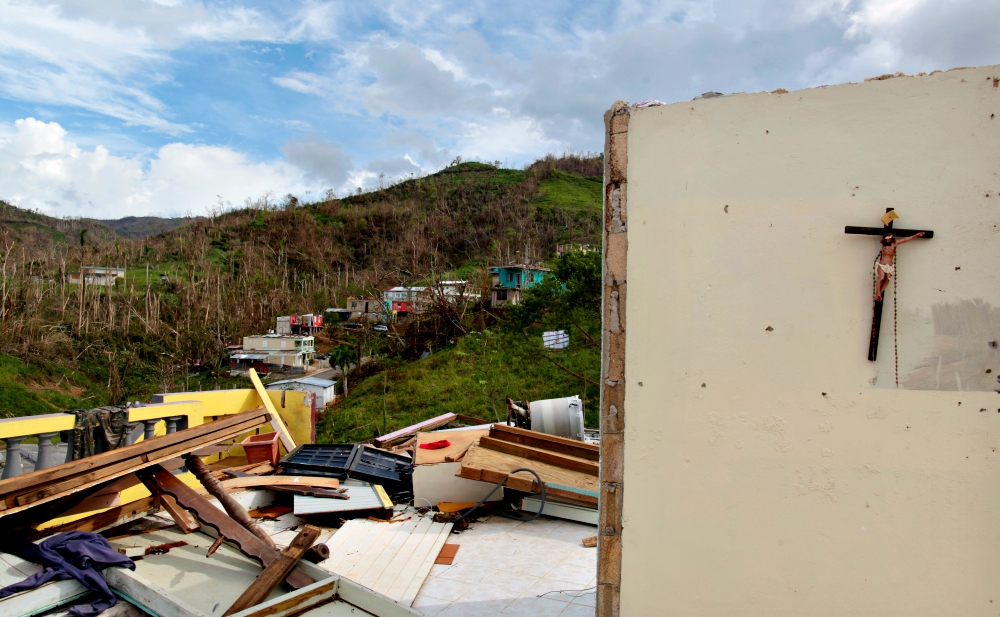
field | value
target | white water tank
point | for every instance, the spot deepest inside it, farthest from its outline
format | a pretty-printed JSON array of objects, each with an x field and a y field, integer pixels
[{"x": 562, "y": 417}]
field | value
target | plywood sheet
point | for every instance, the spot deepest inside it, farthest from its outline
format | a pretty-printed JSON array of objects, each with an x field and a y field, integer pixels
[
  {"x": 460, "y": 440},
  {"x": 483, "y": 460},
  {"x": 390, "y": 558}
]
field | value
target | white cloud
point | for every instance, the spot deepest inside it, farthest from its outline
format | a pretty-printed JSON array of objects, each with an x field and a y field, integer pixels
[
  {"x": 41, "y": 168},
  {"x": 322, "y": 161}
]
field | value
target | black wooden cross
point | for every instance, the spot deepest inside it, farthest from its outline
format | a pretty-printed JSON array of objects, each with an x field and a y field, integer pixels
[{"x": 882, "y": 231}]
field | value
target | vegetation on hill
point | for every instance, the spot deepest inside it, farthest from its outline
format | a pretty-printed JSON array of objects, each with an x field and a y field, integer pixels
[
  {"x": 191, "y": 291},
  {"x": 139, "y": 227},
  {"x": 474, "y": 374}
]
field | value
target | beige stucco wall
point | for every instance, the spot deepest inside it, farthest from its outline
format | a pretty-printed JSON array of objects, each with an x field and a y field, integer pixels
[{"x": 780, "y": 472}]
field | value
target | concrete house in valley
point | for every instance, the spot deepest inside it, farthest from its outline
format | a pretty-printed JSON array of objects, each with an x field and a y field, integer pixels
[
  {"x": 510, "y": 281},
  {"x": 287, "y": 353}
]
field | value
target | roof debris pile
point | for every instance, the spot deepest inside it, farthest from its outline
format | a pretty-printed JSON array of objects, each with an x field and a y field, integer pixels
[{"x": 345, "y": 527}]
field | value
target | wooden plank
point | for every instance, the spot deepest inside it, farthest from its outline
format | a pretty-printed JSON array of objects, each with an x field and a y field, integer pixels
[
  {"x": 460, "y": 440},
  {"x": 535, "y": 439},
  {"x": 97, "y": 476},
  {"x": 409, "y": 431},
  {"x": 93, "y": 503},
  {"x": 276, "y": 571},
  {"x": 276, "y": 422},
  {"x": 143, "y": 447},
  {"x": 538, "y": 454},
  {"x": 265, "y": 481},
  {"x": 296, "y": 602},
  {"x": 182, "y": 517},
  {"x": 420, "y": 575},
  {"x": 392, "y": 570},
  {"x": 247, "y": 543},
  {"x": 38, "y": 487},
  {"x": 491, "y": 466},
  {"x": 104, "y": 520}
]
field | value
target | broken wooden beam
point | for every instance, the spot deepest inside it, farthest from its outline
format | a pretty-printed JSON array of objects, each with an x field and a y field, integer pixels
[
  {"x": 38, "y": 487},
  {"x": 538, "y": 454},
  {"x": 182, "y": 518},
  {"x": 247, "y": 543},
  {"x": 276, "y": 422},
  {"x": 268, "y": 481},
  {"x": 103, "y": 520},
  {"x": 238, "y": 513},
  {"x": 276, "y": 571},
  {"x": 409, "y": 431},
  {"x": 535, "y": 439}
]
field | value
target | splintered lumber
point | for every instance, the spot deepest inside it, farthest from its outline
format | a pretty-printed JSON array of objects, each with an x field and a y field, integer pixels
[
  {"x": 538, "y": 454},
  {"x": 276, "y": 571},
  {"x": 238, "y": 513},
  {"x": 269, "y": 481},
  {"x": 276, "y": 422},
  {"x": 182, "y": 517},
  {"x": 561, "y": 484},
  {"x": 409, "y": 431},
  {"x": 247, "y": 543},
  {"x": 38, "y": 487},
  {"x": 552, "y": 443},
  {"x": 104, "y": 520}
]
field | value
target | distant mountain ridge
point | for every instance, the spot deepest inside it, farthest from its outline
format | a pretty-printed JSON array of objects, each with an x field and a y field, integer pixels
[
  {"x": 139, "y": 227},
  {"x": 41, "y": 229}
]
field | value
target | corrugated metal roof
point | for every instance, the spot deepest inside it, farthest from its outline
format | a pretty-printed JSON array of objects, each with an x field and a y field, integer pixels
[
  {"x": 249, "y": 356},
  {"x": 312, "y": 381},
  {"x": 364, "y": 496}
]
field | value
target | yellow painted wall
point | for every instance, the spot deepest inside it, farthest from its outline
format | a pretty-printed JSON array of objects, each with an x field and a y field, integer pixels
[
  {"x": 296, "y": 410},
  {"x": 198, "y": 407},
  {"x": 778, "y": 471}
]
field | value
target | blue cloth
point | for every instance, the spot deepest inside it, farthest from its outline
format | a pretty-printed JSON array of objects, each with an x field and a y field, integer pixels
[{"x": 73, "y": 555}]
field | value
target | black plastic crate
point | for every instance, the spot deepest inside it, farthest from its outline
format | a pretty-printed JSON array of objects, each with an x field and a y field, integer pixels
[
  {"x": 380, "y": 467},
  {"x": 328, "y": 460}
]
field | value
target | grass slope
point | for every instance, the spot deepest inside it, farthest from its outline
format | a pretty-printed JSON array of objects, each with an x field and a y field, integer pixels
[
  {"x": 31, "y": 390},
  {"x": 570, "y": 191},
  {"x": 471, "y": 378}
]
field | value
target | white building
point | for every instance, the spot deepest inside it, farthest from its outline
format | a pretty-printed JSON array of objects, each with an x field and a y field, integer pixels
[
  {"x": 283, "y": 352},
  {"x": 324, "y": 389}
]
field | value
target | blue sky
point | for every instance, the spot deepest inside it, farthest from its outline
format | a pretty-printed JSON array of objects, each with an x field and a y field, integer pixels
[{"x": 168, "y": 107}]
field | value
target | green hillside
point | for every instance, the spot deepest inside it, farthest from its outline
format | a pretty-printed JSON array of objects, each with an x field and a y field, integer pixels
[
  {"x": 191, "y": 291},
  {"x": 139, "y": 227},
  {"x": 473, "y": 378}
]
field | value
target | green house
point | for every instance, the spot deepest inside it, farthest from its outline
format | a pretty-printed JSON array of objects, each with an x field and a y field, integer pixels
[{"x": 510, "y": 280}]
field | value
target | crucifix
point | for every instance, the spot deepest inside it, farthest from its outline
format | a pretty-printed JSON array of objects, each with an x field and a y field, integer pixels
[{"x": 885, "y": 267}]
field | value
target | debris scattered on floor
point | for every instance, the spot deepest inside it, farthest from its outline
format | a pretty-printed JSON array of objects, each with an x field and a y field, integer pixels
[{"x": 355, "y": 517}]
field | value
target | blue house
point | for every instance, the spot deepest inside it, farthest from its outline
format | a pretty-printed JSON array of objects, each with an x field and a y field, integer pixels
[{"x": 509, "y": 281}]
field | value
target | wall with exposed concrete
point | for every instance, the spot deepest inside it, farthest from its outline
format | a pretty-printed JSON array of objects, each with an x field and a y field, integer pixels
[{"x": 768, "y": 467}]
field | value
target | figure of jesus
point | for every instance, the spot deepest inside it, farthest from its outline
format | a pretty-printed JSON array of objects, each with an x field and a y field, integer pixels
[{"x": 885, "y": 268}]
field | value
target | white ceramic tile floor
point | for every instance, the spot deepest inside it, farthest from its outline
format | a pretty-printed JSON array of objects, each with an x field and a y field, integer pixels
[{"x": 503, "y": 567}]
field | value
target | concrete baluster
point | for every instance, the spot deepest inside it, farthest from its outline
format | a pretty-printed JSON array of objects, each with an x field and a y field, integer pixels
[
  {"x": 12, "y": 466},
  {"x": 172, "y": 423},
  {"x": 150, "y": 429},
  {"x": 46, "y": 451}
]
